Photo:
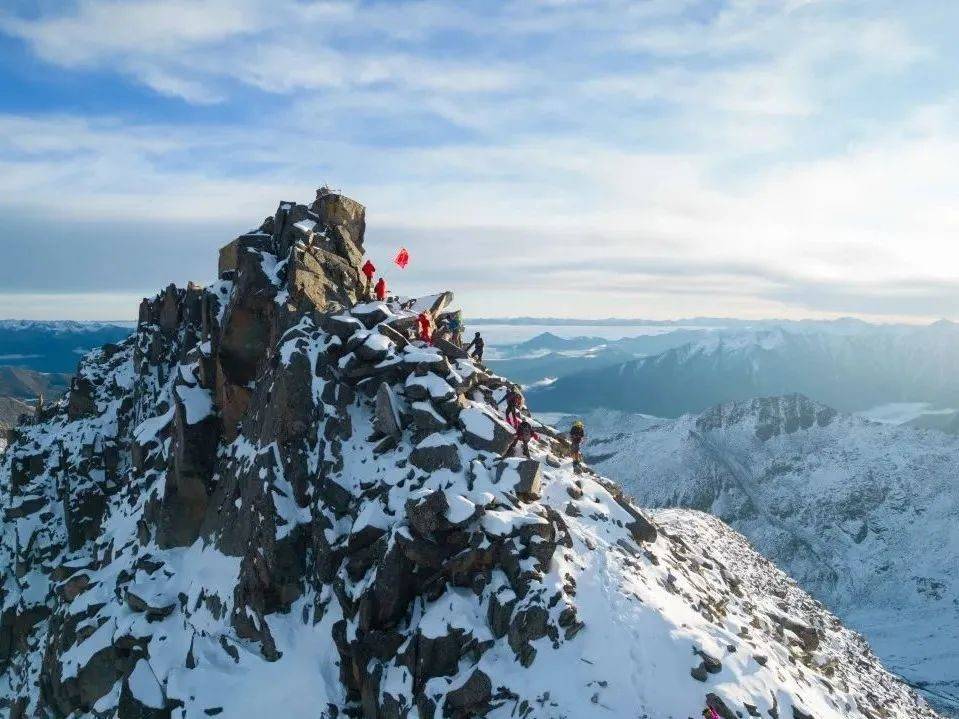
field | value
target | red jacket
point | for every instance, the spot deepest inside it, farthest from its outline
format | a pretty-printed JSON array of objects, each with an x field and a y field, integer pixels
[
  {"x": 368, "y": 270},
  {"x": 380, "y": 289}
]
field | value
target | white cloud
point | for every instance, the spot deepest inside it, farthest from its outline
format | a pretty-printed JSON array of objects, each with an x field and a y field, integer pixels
[
  {"x": 189, "y": 48},
  {"x": 102, "y": 29},
  {"x": 677, "y": 164}
]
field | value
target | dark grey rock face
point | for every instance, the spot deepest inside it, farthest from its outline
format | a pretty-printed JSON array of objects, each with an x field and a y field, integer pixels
[
  {"x": 431, "y": 457},
  {"x": 387, "y": 419}
]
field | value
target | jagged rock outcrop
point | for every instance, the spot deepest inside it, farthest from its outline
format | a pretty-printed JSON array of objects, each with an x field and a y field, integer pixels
[{"x": 270, "y": 500}]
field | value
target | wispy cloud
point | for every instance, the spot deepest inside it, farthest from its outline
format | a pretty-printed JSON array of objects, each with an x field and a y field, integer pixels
[{"x": 655, "y": 158}]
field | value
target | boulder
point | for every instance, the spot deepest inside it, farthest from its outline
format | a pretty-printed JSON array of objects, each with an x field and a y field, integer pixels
[
  {"x": 442, "y": 301},
  {"x": 375, "y": 348},
  {"x": 454, "y": 352},
  {"x": 640, "y": 527},
  {"x": 74, "y": 586},
  {"x": 342, "y": 326},
  {"x": 807, "y": 634},
  {"x": 527, "y": 626},
  {"x": 393, "y": 590},
  {"x": 387, "y": 444},
  {"x": 524, "y": 476},
  {"x": 484, "y": 432},
  {"x": 452, "y": 407},
  {"x": 154, "y": 606},
  {"x": 321, "y": 280},
  {"x": 710, "y": 663},
  {"x": 500, "y": 612},
  {"x": 398, "y": 338},
  {"x": 470, "y": 699},
  {"x": 426, "y": 419},
  {"x": 428, "y": 386},
  {"x": 386, "y": 416},
  {"x": 438, "y": 656},
  {"x": 371, "y": 313},
  {"x": 81, "y": 403},
  {"x": 426, "y": 514},
  {"x": 423, "y": 552},
  {"x": 363, "y": 537},
  {"x": 436, "y": 452}
]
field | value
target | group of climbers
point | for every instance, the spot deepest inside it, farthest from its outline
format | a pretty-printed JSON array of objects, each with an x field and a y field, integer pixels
[
  {"x": 515, "y": 402},
  {"x": 513, "y": 414},
  {"x": 452, "y": 327},
  {"x": 370, "y": 291},
  {"x": 425, "y": 323}
]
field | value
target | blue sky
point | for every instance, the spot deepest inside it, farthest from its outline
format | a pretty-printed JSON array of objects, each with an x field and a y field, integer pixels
[{"x": 655, "y": 158}]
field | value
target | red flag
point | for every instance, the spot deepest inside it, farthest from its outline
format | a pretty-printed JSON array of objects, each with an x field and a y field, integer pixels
[{"x": 403, "y": 258}]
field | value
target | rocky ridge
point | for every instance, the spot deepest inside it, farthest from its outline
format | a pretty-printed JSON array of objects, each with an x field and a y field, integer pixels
[{"x": 270, "y": 499}]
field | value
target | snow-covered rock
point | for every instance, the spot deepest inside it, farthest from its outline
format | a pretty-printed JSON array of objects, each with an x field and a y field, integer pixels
[
  {"x": 220, "y": 528},
  {"x": 861, "y": 514}
]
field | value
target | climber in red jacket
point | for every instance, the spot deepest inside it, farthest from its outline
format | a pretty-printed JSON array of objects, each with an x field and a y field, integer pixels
[
  {"x": 514, "y": 405},
  {"x": 369, "y": 269},
  {"x": 425, "y": 325},
  {"x": 380, "y": 289},
  {"x": 524, "y": 434}
]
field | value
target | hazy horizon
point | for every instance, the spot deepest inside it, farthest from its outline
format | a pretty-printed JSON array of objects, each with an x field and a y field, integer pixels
[{"x": 698, "y": 321}]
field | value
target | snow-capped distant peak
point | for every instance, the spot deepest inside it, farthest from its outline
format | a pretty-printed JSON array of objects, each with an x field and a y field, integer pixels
[{"x": 62, "y": 326}]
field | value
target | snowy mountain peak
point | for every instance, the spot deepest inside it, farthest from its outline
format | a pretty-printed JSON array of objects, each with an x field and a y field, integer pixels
[
  {"x": 272, "y": 500},
  {"x": 768, "y": 416}
]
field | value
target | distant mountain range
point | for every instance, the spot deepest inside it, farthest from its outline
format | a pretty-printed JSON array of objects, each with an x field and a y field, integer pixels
[
  {"x": 55, "y": 346},
  {"x": 842, "y": 324},
  {"x": 850, "y": 371},
  {"x": 861, "y": 514},
  {"x": 550, "y": 356}
]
